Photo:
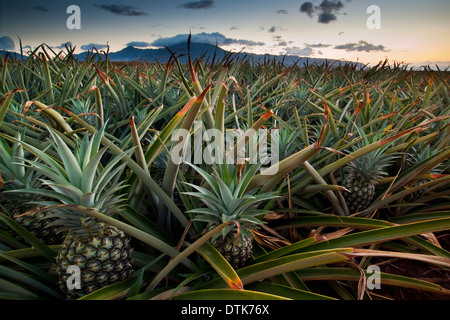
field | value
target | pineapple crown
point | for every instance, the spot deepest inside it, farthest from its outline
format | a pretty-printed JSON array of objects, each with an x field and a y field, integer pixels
[
  {"x": 78, "y": 178},
  {"x": 227, "y": 199},
  {"x": 371, "y": 166},
  {"x": 288, "y": 141},
  {"x": 85, "y": 108},
  {"x": 418, "y": 156}
]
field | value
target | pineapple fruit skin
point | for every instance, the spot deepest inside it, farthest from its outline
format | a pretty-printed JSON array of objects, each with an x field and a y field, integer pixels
[
  {"x": 361, "y": 193},
  {"x": 236, "y": 254},
  {"x": 418, "y": 194},
  {"x": 103, "y": 259},
  {"x": 36, "y": 223}
]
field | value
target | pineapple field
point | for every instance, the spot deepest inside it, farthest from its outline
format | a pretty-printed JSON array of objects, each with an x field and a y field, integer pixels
[{"x": 324, "y": 182}]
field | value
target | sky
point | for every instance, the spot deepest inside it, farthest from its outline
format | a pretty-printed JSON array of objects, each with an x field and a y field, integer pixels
[{"x": 415, "y": 32}]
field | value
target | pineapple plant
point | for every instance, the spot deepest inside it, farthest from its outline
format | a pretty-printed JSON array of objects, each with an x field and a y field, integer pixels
[
  {"x": 79, "y": 181},
  {"x": 84, "y": 109},
  {"x": 227, "y": 200},
  {"x": 17, "y": 177},
  {"x": 361, "y": 177},
  {"x": 415, "y": 157}
]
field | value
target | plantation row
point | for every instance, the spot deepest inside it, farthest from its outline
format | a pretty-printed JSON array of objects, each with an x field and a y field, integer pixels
[{"x": 93, "y": 207}]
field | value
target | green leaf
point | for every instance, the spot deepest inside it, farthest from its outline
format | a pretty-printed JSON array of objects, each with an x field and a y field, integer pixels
[
  {"x": 381, "y": 235},
  {"x": 287, "y": 292},
  {"x": 227, "y": 294},
  {"x": 184, "y": 254},
  {"x": 89, "y": 171},
  {"x": 342, "y": 273},
  {"x": 112, "y": 292},
  {"x": 221, "y": 265},
  {"x": 71, "y": 164},
  {"x": 27, "y": 280}
]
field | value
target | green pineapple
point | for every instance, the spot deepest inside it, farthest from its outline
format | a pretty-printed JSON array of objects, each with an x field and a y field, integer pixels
[
  {"x": 361, "y": 178},
  {"x": 416, "y": 157},
  {"x": 228, "y": 201},
  {"x": 17, "y": 177},
  {"x": 79, "y": 181}
]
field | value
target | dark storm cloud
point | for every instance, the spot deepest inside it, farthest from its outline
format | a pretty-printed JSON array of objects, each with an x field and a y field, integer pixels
[
  {"x": 40, "y": 8},
  {"x": 326, "y": 17},
  {"x": 330, "y": 6},
  {"x": 138, "y": 44},
  {"x": 6, "y": 43},
  {"x": 210, "y": 38},
  {"x": 361, "y": 46},
  {"x": 326, "y": 11},
  {"x": 122, "y": 9},
  {"x": 196, "y": 5},
  {"x": 307, "y": 8}
]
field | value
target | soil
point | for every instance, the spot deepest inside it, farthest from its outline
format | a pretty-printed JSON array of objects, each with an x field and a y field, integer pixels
[{"x": 418, "y": 270}]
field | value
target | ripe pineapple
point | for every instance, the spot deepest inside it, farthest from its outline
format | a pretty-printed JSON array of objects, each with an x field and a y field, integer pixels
[
  {"x": 16, "y": 176},
  {"x": 361, "y": 177},
  {"x": 228, "y": 201},
  {"x": 101, "y": 251}
]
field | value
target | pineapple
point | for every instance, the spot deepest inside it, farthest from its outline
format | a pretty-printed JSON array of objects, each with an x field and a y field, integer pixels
[
  {"x": 101, "y": 251},
  {"x": 413, "y": 158},
  {"x": 228, "y": 201},
  {"x": 16, "y": 176},
  {"x": 361, "y": 178}
]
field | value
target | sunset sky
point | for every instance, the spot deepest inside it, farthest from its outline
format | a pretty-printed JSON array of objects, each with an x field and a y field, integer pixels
[{"x": 411, "y": 31}]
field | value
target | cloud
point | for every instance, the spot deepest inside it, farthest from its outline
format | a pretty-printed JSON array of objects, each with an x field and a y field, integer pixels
[
  {"x": 196, "y": 5},
  {"x": 40, "y": 8},
  {"x": 317, "y": 45},
  {"x": 308, "y": 8},
  {"x": 63, "y": 45},
  {"x": 297, "y": 51},
  {"x": 122, "y": 9},
  {"x": 361, "y": 46},
  {"x": 274, "y": 28},
  {"x": 326, "y": 11},
  {"x": 6, "y": 43},
  {"x": 138, "y": 44},
  {"x": 210, "y": 38},
  {"x": 282, "y": 11},
  {"x": 91, "y": 46},
  {"x": 326, "y": 17}
]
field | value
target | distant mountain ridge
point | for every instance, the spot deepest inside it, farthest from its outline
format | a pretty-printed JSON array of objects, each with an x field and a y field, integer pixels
[{"x": 162, "y": 55}]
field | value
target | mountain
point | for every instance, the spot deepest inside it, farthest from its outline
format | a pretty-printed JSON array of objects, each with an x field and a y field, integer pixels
[
  {"x": 12, "y": 54},
  {"x": 207, "y": 51}
]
